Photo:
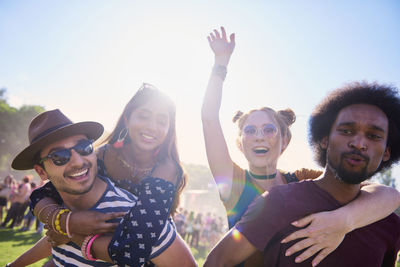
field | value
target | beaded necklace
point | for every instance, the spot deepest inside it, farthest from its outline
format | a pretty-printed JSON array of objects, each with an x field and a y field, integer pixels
[{"x": 133, "y": 170}]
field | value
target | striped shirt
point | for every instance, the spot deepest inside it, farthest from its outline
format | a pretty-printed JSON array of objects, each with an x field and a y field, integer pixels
[{"x": 114, "y": 199}]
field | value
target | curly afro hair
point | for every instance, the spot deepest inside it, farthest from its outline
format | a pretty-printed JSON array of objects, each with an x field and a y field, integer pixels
[{"x": 383, "y": 96}]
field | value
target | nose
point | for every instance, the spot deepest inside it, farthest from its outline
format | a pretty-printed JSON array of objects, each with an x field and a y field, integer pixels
[
  {"x": 152, "y": 124},
  {"x": 359, "y": 143},
  {"x": 76, "y": 159}
]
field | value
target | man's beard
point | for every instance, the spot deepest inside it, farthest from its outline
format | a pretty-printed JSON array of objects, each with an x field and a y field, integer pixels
[{"x": 350, "y": 177}]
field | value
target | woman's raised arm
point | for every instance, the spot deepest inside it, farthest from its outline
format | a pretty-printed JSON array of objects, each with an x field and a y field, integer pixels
[{"x": 219, "y": 160}]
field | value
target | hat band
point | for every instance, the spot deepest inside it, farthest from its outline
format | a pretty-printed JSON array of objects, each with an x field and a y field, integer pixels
[{"x": 48, "y": 131}]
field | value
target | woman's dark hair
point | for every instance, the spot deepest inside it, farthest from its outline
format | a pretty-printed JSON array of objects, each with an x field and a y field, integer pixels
[
  {"x": 168, "y": 148},
  {"x": 285, "y": 119},
  {"x": 385, "y": 97}
]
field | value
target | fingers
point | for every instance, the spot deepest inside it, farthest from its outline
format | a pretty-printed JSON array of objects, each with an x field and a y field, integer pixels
[
  {"x": 308, "y": 253},
  {"x": 223, "y": 33},
  {"x": 52, "y": 242},
  {"x": 217, "y": 34},
  {"x": 113, "y": 215},
  {"x": 299, "y": 246},
  {"x": 298, "y": 234},
  {"x": 232, "y": 38},
  {"x": 325, "y": 252},
  {"x": 212, "y": 36},
  {"x": 303, "y": 221}
]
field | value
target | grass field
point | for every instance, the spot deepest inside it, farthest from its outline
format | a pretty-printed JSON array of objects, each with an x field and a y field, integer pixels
[{"x": 14, "y": 243}]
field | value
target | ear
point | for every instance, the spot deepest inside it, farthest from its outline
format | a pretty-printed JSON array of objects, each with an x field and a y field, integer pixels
[
  {"x": 324, "y": 142},
  {"x": 239, "y": 144},
  {"x": 386, "y": 154},
  {"x": 126, "y": 121},
  {"x": 41, "y": 172}
]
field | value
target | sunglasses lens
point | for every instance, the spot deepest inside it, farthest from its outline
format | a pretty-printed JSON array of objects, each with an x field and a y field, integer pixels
[
  {"x": 269, "y": 130},
  {"x": 84, "y": 148},
  {"x": 60, "y": 157},
  {"x": 249, "y": 130}
]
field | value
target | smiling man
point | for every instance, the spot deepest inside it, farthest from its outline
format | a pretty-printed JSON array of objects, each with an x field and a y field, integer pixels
[
  {"x": 355, "y": 133},
  {"x": 62, "y": 151}
]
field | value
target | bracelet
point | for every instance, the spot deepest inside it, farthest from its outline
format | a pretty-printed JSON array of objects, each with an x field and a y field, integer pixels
[
  {"x": 84, "y": 245},
  {"x": 48, "y": 215},
  {"x": 42, "y": 209},
  {"x": 89, "y": 246},
  {"x": 57, "y": 222},
  {"x": 220, "y": 71},
  {"x": 67, "y": 225},
  {"x": 53, "y": 218}
]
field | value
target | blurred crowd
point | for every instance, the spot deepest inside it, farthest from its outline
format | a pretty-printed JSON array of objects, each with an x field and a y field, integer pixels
[
  {"x": 200, "y": 230},
  {"x": 14, "y": 201}
]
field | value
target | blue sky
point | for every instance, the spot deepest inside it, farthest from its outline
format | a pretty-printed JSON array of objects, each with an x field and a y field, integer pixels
[{"x": 89, "y": 57}]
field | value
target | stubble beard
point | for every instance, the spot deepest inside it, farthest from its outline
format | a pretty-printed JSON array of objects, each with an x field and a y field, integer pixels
[
  {"x": 349, "y": 177},
  {"x": 83, "y": 189}
]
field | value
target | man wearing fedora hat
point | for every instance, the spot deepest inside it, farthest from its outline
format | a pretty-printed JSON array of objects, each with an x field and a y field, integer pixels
[{"x": 61, "y": 151}]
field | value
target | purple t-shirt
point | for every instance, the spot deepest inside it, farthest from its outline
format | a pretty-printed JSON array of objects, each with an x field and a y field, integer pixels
[{"x": 268, "y": 219}]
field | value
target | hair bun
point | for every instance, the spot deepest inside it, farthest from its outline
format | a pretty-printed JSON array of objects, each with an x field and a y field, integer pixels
[
  {"x": 237, "y": 116},
  {"x": 288, "y": 116}
]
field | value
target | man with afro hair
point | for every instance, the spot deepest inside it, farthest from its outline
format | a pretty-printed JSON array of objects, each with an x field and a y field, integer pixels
[{"x": 354, "y": 133}]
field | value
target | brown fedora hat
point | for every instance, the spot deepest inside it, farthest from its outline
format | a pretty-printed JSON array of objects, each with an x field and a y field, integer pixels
[{"x": 49, "y": 127}]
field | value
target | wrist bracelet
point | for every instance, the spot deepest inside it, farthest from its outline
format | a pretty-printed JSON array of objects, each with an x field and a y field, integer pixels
[
  {"x": 53, "y": 219},
  {"x": 42, "y": 209},
  {"x": 67, "y": 225},
  {"x": 57, "y": 223},
  {"x": 220, "y": 71},
  {"x": 84, "y": 245},
  {"x": 49, "y": 214},
  {"x": 89, "y": 246}
]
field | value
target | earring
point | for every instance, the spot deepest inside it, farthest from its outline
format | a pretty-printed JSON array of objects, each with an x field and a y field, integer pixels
[{"x": 121, "y": 137}]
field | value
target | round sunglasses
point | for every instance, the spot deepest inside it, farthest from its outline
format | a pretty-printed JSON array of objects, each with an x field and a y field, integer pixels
[
  {"x": 62, "y": 156},
  {"x": 268, "y": 130}
]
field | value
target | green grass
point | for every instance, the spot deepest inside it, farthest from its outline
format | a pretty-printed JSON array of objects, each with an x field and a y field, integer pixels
[{"x": 14, "y": 243}]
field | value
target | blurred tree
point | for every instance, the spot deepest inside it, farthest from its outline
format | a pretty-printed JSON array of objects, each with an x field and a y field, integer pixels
[
  {"x": 386, "y": 178},
  {"x": 14, "y": 124}
]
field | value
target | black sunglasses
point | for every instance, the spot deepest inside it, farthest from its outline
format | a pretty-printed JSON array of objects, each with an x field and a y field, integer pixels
[{"x": 62, "y": 156}]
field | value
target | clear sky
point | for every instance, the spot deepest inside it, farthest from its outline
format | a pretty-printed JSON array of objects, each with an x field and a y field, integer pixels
[{"x": 89, "y": 57}]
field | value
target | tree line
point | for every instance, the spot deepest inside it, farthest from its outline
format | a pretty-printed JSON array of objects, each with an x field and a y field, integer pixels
[{"x": 14, "y": 123}]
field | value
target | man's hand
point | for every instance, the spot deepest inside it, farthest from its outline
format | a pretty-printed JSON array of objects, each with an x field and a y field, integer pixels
[{"x": 221, "y": 47}]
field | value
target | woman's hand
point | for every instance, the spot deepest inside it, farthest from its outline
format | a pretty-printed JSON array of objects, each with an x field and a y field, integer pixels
[
  {"x": 56, "y": 239},
  {"x": 325, "y": 232},
  {"x": 91, "y": 222},
  {"x": 221, "y": 47}
]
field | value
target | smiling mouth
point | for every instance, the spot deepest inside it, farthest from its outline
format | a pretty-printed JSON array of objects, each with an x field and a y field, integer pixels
[
  {"x": 260, "y": 150},
  {"x": 148, "y": 137},
  {"x": 79, "y": 175}
]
